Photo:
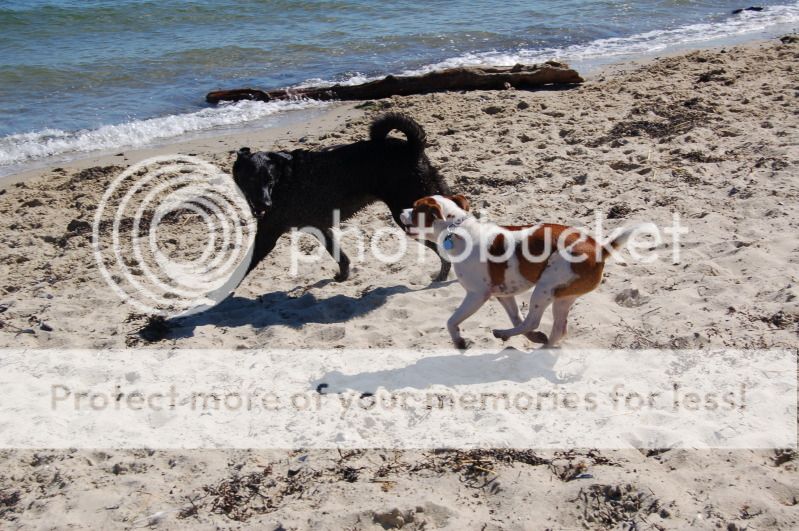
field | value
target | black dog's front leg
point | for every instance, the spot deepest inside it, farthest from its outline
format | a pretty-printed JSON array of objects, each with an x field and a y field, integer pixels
[
  {"x": 265, "y": 240},
  {"x": 443, "y": 273},
  {"x": 334, "y": 249}
]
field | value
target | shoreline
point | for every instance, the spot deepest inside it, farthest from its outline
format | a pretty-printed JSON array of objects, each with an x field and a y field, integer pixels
[
  {"x": 712, "y": 45},
  {"x": 330, "y": 118},
  {"x": 591, "y": 69}
]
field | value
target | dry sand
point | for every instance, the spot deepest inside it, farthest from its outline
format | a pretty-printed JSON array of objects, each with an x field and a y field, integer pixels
[{"x": 711, "y": 135}]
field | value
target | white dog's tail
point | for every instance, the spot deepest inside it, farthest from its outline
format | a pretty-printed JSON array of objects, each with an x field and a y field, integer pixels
[{"x": 620, "y": 237}]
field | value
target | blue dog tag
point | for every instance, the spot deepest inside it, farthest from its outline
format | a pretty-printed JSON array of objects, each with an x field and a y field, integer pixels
[{"x": 448, "y": 243}]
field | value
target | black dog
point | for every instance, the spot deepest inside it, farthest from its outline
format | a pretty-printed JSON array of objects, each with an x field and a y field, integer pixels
[{"x": 302, "y": 188}]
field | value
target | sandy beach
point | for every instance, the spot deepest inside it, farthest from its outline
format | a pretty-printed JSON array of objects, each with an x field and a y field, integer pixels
[{"x": 710, "y": 135}]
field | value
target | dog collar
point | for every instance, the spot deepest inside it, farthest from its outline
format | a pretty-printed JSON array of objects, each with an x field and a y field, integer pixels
[
  {"x": 458, "y": 222},
  {"x": 448, "y": 243}
]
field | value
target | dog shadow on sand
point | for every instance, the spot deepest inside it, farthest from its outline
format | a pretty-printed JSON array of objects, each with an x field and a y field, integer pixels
[
  {"x": 508, "y": 364},
  {"x": 289, "y": 308}
]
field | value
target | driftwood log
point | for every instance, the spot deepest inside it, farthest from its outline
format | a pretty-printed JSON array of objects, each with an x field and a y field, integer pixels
[{"x": 472, "y": 78}]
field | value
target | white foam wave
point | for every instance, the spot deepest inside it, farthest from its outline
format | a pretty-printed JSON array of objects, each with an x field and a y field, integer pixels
[
  {"x": 747, "y": 22},
  {"x": 355, "y": 79},
  {"x": 19, "y": 148}
]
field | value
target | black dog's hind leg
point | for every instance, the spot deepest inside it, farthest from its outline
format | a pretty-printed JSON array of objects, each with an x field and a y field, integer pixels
[
  {"x": 443, "y": 273},
  {"x": 334, "y": 249}
]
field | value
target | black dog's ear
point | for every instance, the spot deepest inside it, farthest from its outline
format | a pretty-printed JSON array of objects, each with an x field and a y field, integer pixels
[
  {"x": 282, "y": 154},
  {"x": 244, "y": 152},
  {"x": 283, "y": 161}
]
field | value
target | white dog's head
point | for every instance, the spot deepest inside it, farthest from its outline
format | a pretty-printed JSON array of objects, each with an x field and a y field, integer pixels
[{"x": 430, "y": 215}]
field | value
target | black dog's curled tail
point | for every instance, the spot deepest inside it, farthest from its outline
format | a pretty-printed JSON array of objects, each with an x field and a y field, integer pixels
[{"x": 380, "y": 128}]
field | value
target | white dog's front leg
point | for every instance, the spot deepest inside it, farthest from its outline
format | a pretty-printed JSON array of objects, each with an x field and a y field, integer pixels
[{"x": 468, "y": 307}]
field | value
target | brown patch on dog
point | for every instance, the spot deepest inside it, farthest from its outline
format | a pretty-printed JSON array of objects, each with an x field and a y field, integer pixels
[
  {"x": 496, "y": 270},
  {"x": 588, "y": 271},
  {"x": 539, "y": 246},
  {"x": 429, "y": 209},
  {"x": 589, "y": 275},
  {"x": 534, "y": 246},
  {"x": 459, "y": 200},
  {"x": 544, "y": 241}
]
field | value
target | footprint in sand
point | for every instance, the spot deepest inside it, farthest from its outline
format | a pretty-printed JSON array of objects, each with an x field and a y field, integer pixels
[
  {"x": 631, "y": 298},
  {"x": 400, "y": 314},
  {"x": 333, "y": 333}
]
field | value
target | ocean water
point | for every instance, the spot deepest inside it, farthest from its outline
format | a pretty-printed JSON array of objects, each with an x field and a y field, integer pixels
[{"x": 81, "y": 76}]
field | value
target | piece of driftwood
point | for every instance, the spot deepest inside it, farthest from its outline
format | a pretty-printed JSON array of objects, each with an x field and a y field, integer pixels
[{"x": 466, "y": 78}]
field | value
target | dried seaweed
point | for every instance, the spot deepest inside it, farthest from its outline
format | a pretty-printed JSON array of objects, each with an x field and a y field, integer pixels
[
  {"x": 8, "y": 501},
  {"x": 239, "y": 497},
  {"x": 661, "y": 120},
  {"x": 242, "y": 496},
  {"x": 612, "y": 505},
  {"x": 784, "y": 455}
]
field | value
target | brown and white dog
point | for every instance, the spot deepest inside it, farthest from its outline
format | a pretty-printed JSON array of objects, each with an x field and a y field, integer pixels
[{"x": 504, "y": 261}]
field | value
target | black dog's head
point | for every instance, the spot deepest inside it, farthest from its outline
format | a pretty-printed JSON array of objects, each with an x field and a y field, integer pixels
[{"x": 258, "y": 173}]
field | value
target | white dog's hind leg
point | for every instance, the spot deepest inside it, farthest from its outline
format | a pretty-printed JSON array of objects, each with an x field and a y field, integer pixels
[
  {"x": 539, "y": 301},
  {"x": 560, "y": 313},
  {"x": 509, "y": 303},
  {"x": 557, "y": 273},
  {"x": 468, "y": 307},
  {"x": 511, "y": 308}
]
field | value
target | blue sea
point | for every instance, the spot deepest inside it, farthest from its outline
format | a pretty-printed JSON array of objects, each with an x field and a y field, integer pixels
[{"x": 85, "y": 76}]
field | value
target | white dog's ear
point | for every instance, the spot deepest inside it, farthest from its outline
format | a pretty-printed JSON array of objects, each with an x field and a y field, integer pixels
[
  {"x": 461, "y": 201},
  {"x": 429, "y": 210}
]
